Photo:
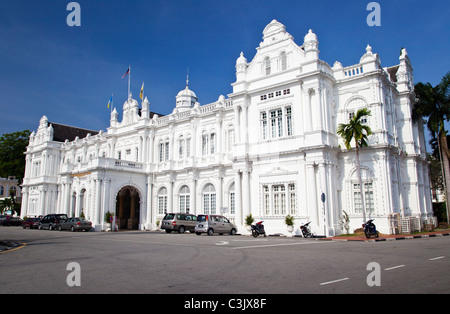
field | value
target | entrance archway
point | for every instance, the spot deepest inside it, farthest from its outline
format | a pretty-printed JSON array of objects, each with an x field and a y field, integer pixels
[{"x": 128, "y": 204}]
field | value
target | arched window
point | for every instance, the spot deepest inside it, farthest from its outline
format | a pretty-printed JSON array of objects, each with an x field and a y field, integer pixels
[
  {"x": 232, "y": 201},
  {"x": 184, "y": 199},
  {"x": 230, "y": 138},
  {"x": 162, "y": 201},
  {"x": 163, "y": 150},
  {"x": 181, "y": 147},
  {"x": 283, "y": 58},
  {"x": 368, "y": 190},
  {"x": 267, "y": 65},
  {"x": 209, "y": 199}
]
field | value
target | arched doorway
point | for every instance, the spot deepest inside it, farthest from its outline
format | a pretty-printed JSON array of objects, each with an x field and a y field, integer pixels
[{"x": 128, "y": 206}]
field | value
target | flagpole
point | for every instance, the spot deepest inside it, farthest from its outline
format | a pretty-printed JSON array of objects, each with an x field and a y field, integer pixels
[{"x": 129, "y": 79}]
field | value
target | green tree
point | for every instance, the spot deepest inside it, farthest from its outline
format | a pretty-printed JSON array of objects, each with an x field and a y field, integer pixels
[
  {"x": 433, "y": 103},
  {"x": 5, "y": 204},
  {"x": 12, "y": 158},
  {"x": 358, "y": 132}
]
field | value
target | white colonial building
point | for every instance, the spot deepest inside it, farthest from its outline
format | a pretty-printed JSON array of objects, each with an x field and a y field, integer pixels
[{"x": 268, "y": 149}]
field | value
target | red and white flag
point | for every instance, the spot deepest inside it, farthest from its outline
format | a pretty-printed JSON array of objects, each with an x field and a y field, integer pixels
[{"x": 126, "y": 73}]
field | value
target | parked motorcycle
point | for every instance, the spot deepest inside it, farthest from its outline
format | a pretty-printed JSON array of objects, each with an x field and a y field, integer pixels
[
  {"x": 370, "y": 229},
  {"x": 258, "y": 229},
  {"x": 306, "y": 231}
]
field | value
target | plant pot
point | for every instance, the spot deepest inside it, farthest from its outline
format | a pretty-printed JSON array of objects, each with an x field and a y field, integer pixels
[
  {"x": 290, "y": 228},
  {"x": 249, "y": 228}
]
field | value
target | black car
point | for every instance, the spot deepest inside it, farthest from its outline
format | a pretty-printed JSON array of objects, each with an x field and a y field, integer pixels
[
  {"x": 11, "y": 221},
  {"x": 51, "y": 221}
]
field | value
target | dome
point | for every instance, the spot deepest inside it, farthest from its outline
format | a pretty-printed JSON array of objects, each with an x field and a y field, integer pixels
[
  {"x": 241, "y": 59},
  {"x": 310, "y": 36},
  {"x": 186, "y": 98},
  {"x": 186, "y": 93},
  {"x": 130, "y": 103}
]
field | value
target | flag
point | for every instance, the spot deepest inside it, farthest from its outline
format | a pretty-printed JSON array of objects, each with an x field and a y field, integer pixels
[
  {"x": 110, "y": 102},
  {"x": 142, "y": 92},
  {"x": 127, "y": 72}
]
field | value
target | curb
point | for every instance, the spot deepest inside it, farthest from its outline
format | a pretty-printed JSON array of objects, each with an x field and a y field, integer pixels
[{"x": 393, "y": 238}]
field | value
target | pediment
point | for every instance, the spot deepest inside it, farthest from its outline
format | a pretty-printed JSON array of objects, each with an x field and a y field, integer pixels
[{"x": 277, "y": 172}]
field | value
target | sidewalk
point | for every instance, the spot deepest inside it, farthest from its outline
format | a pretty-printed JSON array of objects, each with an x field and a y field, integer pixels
[{"x": 391, "y": 237}]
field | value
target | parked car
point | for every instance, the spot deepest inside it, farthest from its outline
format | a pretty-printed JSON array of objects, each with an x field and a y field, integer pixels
[
  {"x": 11, "y": 221},
  {"x": 214, "y": 224},
  {"x": 31, "y": 222},
  {"x": 178, "y": 222},
  {"x": 51, "y": 221},
  {"x": 74, "y": 224}
]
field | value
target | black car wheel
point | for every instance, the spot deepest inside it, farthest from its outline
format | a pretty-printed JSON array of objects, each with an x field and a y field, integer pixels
[{"x": 210, "y": 231}]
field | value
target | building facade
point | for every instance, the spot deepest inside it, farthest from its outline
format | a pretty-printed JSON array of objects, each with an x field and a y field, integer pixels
[{"x": 269, "y": 149}]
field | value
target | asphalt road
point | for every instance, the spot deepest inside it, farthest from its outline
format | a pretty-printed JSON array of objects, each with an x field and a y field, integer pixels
[{"x": 159, "y": 263}]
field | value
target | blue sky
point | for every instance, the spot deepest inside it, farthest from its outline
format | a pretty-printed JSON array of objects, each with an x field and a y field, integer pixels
[{"x": 69, "y": 73}]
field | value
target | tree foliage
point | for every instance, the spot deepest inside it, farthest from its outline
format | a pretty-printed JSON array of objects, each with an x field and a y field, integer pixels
[
  {"x": 12, "y": 158},
  {"x": 355, "y": 130}
]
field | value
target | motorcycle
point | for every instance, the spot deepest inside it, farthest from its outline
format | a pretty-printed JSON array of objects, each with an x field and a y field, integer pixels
[
  {"x": 258, "y": 229},
  {"x": 306, "y": 231},
  {"x": 370, "y": 229}
]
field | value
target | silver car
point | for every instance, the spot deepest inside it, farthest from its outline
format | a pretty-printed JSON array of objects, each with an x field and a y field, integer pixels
[
  {"x": 178, "y": 222},
  {"x": 211, "y": 224},
  {"x": 74, "y": 224}
]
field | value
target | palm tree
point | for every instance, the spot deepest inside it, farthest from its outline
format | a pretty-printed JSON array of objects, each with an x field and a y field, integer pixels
[
  {"x": 359, "y": 132},
  {"x": 434, "y": 103}
]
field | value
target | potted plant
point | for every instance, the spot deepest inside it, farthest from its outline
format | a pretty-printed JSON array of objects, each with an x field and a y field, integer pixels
[
  {"x": 248, "y": 222},
  {"x": 344, "y": 222},
  {"x": 289, "y": 221},
  {"x": 108, "y": 219}
]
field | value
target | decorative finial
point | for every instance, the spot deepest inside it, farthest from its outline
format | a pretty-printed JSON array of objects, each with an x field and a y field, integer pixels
[{"x": 187, "y": 78}]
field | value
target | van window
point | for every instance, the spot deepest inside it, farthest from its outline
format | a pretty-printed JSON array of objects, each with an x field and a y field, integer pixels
[
  {"x": 201, "y": 218},
  {"x": 181, "y": 217},
  {"x": 169, "y": 216}
]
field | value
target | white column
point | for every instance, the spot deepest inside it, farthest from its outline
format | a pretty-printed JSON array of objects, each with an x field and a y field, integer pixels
[
  {"x": 220, "y": 193},
  {"x": 170, "y": 195},
  {"x": 237, "y": 135},
  {"x": 238, "y": 198},
  {"x": 24, "y": 209},
  {"x": 244, "y": 129},
  {"x": 245, "y": 193},
  {"x": 324, "y": 208},
  {"x": 149, "y": 217},
  {"x": 98, "y": 209},
  {"x": 309, "y": 110},
  {"x": 193, "y": 204},
  {"x": 319, "y": 115},
  {"x": 312, "y": 197}
]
